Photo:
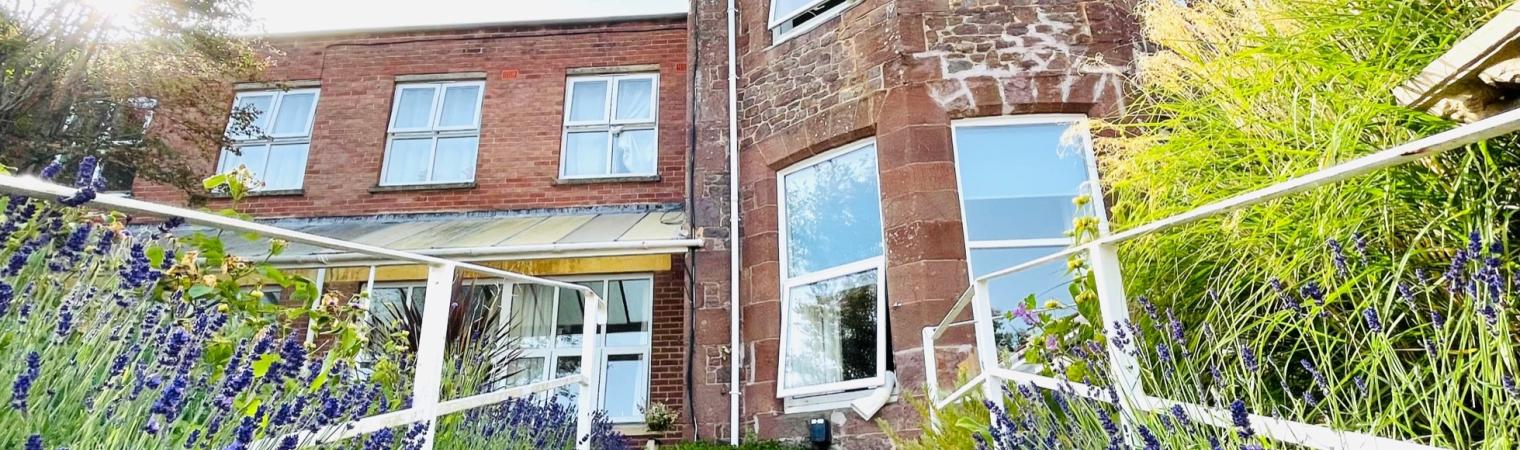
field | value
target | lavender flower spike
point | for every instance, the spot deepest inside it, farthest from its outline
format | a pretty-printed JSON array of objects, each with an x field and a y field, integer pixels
[{"x": 1373, "y": 322}]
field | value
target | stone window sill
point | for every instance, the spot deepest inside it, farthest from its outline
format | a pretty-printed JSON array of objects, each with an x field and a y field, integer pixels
[
  {"x": 600, "y": 180},
  {"x": 271, "y": 193},
  {"x": 422, "y": 187}
]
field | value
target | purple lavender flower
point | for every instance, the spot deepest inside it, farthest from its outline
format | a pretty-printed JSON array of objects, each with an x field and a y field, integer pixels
[
  {"x": 1313, "y": 291},
  {"x": 1151, "y": 443},
  {"x": 290, "y": 443},
  {"x": 6, "y": 294},
  {"x": 1248, "y": 359},
  {"x": 1509, "y": 385},
  {"x": 1319, "y": 378},
  {"x": 1361, "y": 384},
  {"x": 1359, "y": 241},
  {"x": 1175, "y": 327},
  {"x": 1373, "y": 322},
  {"x": 80, "y": 197},
  {"x": 86, "y": 174},
  {"x": 1150, "y": 308},
  {"x": 34, "y": 442},
  {"x": 380, "y": 440},
  {"x": 1181, "y": 415},
  {"x": 1437, "y": 319},
  {"x": 21, "y": 390},
  {"x": 1338, "y": 257},
  {"x": 1242, "y": 419},
  {"x": 172, "y": 400},
  {"x": 1285, "y": 297}
]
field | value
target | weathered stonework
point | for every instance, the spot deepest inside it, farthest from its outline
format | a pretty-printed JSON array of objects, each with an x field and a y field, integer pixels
[{"x": 898, "y": 71}]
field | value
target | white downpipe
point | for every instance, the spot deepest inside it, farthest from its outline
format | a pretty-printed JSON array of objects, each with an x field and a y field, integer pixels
[{"x": 734, "y": 345}]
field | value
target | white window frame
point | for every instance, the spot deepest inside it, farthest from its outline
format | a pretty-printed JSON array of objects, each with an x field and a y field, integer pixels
[
  {"x": 432, "y": 131},
  {"x": 776, "y": 20},
  {"x": 610, "y": 122},
  {"x": 269, "y": 140},
  {"x": 552, "y": 352},
  {"x": 877, "y": 263},
  {"x": 1093, "y": 187}
]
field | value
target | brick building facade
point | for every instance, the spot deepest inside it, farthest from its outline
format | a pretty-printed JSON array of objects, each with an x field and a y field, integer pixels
[
  {"x": 333, "y": 112},
  {"x": 899, "y": 103}
]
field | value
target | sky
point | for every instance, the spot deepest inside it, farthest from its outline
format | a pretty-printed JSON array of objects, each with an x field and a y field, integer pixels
[{"x": 295, "y": 16}]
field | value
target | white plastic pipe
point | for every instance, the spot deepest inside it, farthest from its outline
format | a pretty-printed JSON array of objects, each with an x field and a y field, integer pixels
[{"x": 735, "y": 344}]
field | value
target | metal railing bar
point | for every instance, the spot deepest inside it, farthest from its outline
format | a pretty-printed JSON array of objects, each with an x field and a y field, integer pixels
[
  {"x": 1308, "y": 435},
  {"x": 955, "y": 311},
  {"x": 491, "y": 398},
  {"x": 1489, "y": 128},
  {"x": 1053, "y": 384},
  {"x": 38, "y": 188},
  {"x": 960, "y": 392}
]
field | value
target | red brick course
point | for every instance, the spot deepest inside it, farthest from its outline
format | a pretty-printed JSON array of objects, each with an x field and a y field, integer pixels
[{"x": 522, "y": 115}]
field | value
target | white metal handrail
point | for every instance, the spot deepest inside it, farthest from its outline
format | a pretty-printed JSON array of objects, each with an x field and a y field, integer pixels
[
  {"x": 1103, "y": 259},
  {"x": 427, "y": 388}
]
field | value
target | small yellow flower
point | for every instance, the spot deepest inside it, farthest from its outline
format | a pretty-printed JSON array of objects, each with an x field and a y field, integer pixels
[
  {"x": 209, "y": 280},
  {"x": 1081, "y": 200},
  {"x": 221, "y": 307},
  {"x": 1052, "y": 304}
]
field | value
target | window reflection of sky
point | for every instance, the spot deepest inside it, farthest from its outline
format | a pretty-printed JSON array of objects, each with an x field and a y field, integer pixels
[
  {"x": 833, "y": 215},
  {"x": 1017, "y": 181}
]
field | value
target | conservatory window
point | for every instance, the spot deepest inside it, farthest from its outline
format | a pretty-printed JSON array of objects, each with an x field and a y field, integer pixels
[
  {"x": 1018, "y": 178},
  {"x": 833, "y": 336},
  {"x": 547, "y": 324},
  {"x": 274, "y": 145},
  {"x": 790, "y": 18},
  {"x": 434, "y": 133},
  {"x": 610, "y": 126}
]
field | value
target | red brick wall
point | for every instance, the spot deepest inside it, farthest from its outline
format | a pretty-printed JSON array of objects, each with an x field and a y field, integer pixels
[
  {"x": 522, "y": 115},
  {"x": 667, "y": 362}
]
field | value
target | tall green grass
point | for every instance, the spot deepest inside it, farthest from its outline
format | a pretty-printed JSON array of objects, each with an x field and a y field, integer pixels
[{"x": 1246, "y": 93}]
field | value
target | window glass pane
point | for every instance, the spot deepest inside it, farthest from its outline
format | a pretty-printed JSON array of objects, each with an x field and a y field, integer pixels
[
  {"x": 253, "y": 157},
  {"x": 386, "y": 304},
  {"x": 568, "y": 325},
  {"x": 459, "y": 106},
  {"x": 833, "y": 213},
  {"x": 408, "y": 161},
  {"x": 294, "y": 118},
  {"x": 287, "y": 167},
  {"x": 831, "y": 331},
  {"x": 628, "y": 312},
  {"x": 635, "y": 99},
  {"x": 1017, "y": 181},
  {"x": 415, "y": 108},
  {"x": 251, "y": 103},
  {"x": 1009, "y": 293},
  {"x": 455, "y": 160},
  {"x": 524, "y": 371},
  {"x": 563, "y": 367},
  {"x": 624, "y": 393},
  {"x": 779, "y": 8},
  {"x": 532, "y": 315},
  {"x": 588, "y": 101},
  {"x": 634, "y": 152},
  {"x": 586, "y": 154}
]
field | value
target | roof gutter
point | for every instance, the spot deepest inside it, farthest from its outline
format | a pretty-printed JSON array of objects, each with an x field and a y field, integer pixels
[
  {"x": 533, "y": 251},
  {"x": 473, "y": 25}
]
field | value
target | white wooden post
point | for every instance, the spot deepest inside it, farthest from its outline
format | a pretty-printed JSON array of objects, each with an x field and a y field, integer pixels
[
  {"x": 591, "y": 367},
  {"x": 427, "y": 386},
  {"x": 986, "y": 344},
  {"x": 1123, "y": 368}
]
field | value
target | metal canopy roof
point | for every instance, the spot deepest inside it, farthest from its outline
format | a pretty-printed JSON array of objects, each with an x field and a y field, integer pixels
[{"x": 465, "y": 236}]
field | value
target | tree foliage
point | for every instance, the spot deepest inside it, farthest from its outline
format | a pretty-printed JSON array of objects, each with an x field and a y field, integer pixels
[{"x": 77, "y": 79}]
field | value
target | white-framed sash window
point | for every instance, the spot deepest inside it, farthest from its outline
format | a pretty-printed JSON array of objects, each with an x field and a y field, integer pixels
[
  {"x": 611, "y": 126},
  {"x": 275, "y": 144},
  {"x": 790, "y": 18},
  {"x": 434, "y": 133},
  {"x": 1018, "y": 177},
  {"x": 833, "y": 274}
]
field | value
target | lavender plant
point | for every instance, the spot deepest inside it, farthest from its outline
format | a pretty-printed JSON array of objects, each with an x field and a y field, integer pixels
[{"x": 142, "y": 337}]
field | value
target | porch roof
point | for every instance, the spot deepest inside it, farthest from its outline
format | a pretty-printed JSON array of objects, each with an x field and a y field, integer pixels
[{"x": 466, "y": 236}]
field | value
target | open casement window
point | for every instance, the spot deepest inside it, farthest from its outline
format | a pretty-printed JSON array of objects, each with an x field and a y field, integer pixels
[
  {"x": 434, "y": 133},
  {"x": 275, "y": 144},
  {"x": 1018, "y": 178},
  {"x": 790, "y": 18},
  {"x": 833, "y": 272},
  {"x": 611, "y": 124},
  {"x": 547, "y": 324}
]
